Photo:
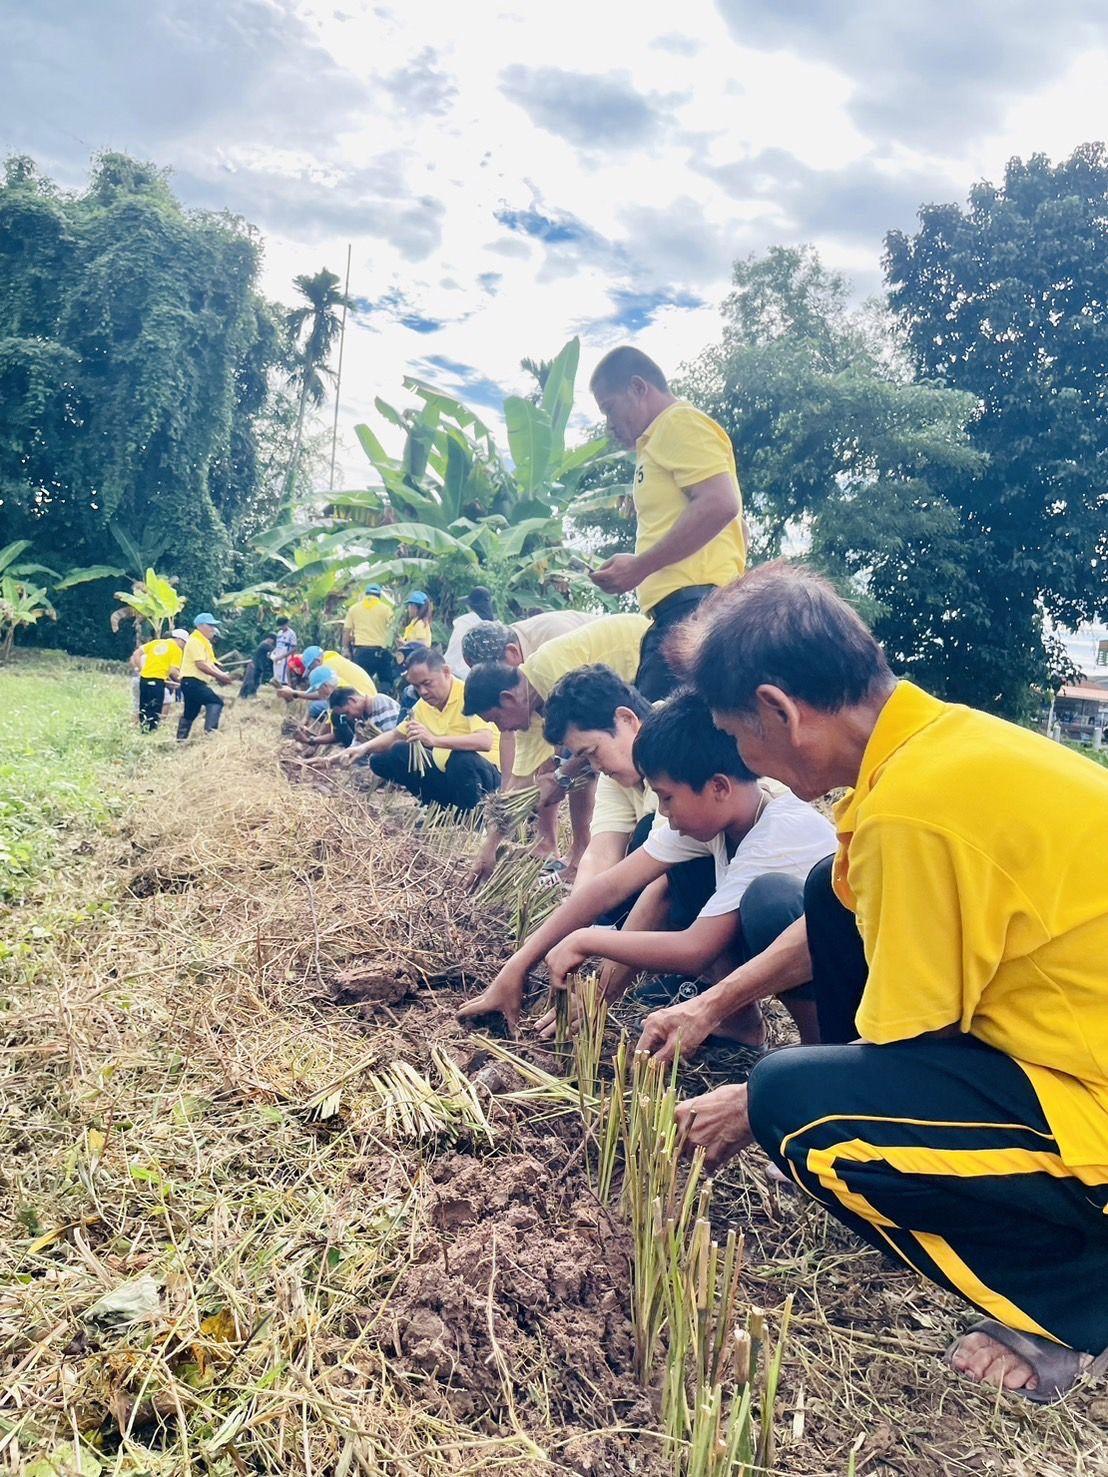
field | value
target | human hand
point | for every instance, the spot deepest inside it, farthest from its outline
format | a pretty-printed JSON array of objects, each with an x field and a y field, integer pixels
[
  {"x": 676, "y": 1030},
  {"x": 547, "y": 1024},
  {"x": 567, "y": 956},
  {"x": 504, "y": 997},
  {"x": 481, "y": 869},
  {"x": 717, "y": 1122},
  {"x": 617, "y": 575},
  {"x": 418, "y": 734},
  {"x": 225, "y": 678}
]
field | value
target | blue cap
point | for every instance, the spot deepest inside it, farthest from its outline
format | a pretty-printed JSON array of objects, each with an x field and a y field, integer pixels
[
  {"x": 311, "y": 654},
  {"x": 321, "y": 677},
  {"x": 206, "y": 618},
  {"x": 374, "y": 590},
  {"x": 417, "y": 597}
]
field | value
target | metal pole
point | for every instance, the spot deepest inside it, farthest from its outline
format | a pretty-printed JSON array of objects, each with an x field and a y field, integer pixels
[{"x": 338, "y": 377}]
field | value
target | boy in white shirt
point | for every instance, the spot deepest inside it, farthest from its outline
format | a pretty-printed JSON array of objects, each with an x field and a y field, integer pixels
[{"x": 710, "y": 805}]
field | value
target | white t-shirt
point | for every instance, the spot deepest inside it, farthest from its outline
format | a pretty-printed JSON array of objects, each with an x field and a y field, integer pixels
[
  {"x": 790, "y": 837},
  {"x": 454, "y": 658}
]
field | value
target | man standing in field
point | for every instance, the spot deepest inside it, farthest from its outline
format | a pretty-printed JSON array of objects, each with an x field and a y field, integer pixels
[
  {"x": 198, "y": 663},
  {"x": 956, "y": 1114},
  {"x": 689, "y": 535},
  {"x": 158, "y": 662},
  {"x": 366, "y": 632},
  {"x": 283, "y": 648}
]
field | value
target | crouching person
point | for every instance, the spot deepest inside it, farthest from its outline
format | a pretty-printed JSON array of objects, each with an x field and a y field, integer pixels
[
  {"x": 956, "y": 1113},
  {"x": 459, "y": 755}
]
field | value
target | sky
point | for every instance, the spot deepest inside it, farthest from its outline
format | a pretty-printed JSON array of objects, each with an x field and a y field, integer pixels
[{"x": 509, "y": 173}]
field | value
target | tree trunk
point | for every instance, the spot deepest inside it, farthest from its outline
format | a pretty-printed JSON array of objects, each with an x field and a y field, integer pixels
[{"x": 290, "y": 477}]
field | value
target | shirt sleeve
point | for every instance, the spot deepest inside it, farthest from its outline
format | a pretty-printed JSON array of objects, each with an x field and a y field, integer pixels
[
  {"x": 613, "y": 810},
  {"x": 791, "y": 837},
  {"x": 691, "y": 447},
  {"x": 934, "y": 914},
  {"x": 665, "y": 844}
]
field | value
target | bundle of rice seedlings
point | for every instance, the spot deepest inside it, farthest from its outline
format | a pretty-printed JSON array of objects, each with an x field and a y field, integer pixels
[
  {"x": 419, "y": 757},
  {"x": 415, "y": 1111},
  {"x": 508, "y": 811}
]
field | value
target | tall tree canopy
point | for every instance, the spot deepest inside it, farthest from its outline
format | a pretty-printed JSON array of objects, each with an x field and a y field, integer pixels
[
  {"x": 135, "y": 359},
  {"x": 838, "y": 449},
  {"x": 1008, "y": 300}
]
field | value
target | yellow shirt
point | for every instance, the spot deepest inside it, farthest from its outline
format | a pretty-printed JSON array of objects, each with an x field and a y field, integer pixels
[
  {"x": 450, "y": 721},
  {"x": 973, "y": 854},
  {"x": 349, "y": 673},
  {"x": 416, "y": 632},
  {"x": 681, "y": 448},
  {"x": 369, "y": 621},
  {"x": 158, "y": 659},
  {"x": 617, "y": 809},
  {"x": 613, "y": 640},
  {"x": 197, "y": 649}
]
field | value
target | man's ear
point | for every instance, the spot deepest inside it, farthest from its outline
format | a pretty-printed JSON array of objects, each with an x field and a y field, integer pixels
[
  {"x": 776, "y": 709},
  {"x": 720, "y": 786},
  {"x": 627, "y": 716}
]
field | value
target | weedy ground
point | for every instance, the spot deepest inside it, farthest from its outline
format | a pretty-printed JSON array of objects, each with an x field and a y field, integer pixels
[{"x": 223, "y": 1252}]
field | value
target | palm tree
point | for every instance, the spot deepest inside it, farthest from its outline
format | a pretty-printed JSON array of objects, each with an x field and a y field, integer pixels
[{"x": 314, "y": 329}]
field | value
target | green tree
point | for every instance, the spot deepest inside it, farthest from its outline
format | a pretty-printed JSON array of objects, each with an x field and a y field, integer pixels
[
  {"x": 134, "y": 354},
  {"x": 314, "y": 328},
  {"x": 1007, "y": 299},
  {"x": 840, "y": 452}
]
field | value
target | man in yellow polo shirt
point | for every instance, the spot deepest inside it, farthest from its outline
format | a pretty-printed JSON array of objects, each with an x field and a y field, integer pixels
[
  {"x": 158, "y": 662},
  {"x": 345, "y": 672},
  {"x": 198, "y": 664},
  {"x": 689, "y": 536},
  {"x": 461, "y": 753},
  {"x": 958, "y": 945},
  {"x": 366, "y": 633},
  {"x": 512, "y": 697}
]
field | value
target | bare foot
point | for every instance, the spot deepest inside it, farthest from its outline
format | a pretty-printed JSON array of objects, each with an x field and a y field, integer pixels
[
  {"x": 988, "y": 1362},
  {"x": 746, "y": 1026}
]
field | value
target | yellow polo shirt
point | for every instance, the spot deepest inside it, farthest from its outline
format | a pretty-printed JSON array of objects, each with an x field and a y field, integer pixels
[
  {"x": 197, "y": 648},
  {"x": 681, "y": 448},
  {"x": 612, "y": 639},
  {"x": 617, "y": 809},
  {"x": 449, "y": 721},
  {"x": 159, "y": 658},
  {"x": 973, "y": 854},
  {"x": 349, "y": 673},
  {"x": 369, "y": 621},
  {"x": 416, "y": 633}
]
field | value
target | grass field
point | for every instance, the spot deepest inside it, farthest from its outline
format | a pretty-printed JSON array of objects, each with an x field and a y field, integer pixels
[{"x": 225, "y": 1251}]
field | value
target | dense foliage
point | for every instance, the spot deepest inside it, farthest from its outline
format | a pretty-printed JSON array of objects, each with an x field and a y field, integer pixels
[
  {"x": 1008, "y": 300},
  {"x": 135, "y": 360}
]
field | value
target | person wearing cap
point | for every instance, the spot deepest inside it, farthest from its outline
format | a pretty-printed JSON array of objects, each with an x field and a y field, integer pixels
[
  {"x": 158, "y": 662},
  {"x": 198, "y": 663},
  {"x": 462, "y": 752},
  {"x": 417, "y": 631},
  {"x": 365, "y": 634},
  {"x": 346, "y": 672},
  {"x": 480, "y": 609},
  {"x": 283, "y": 648},
  {"x": 259, "y": 665}
]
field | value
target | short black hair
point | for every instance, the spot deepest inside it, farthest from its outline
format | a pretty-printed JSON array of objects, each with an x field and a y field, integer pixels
[
  {"x": 484, "y": 685},
  {"x": 341, "y": 696},
  {"x": 269, "y": 636},
  {"x": 620, "y": 366},
  {"x": 425, "y": 656},
  {"x": 480, "y": 602},
  {"x": 588, "y": 698},
  {"x": 783, "y": 626},
  {"x": 679, "y": 739}
]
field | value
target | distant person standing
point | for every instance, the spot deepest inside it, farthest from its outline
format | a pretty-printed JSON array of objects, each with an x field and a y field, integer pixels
[
  {"x": 365, "y": 634},
  {"x": 690, "y": 536},
  {"x": 158, "y": 662},
  {"x": 260, "y": 666},
  {"x": 418, "y": 611},
  {"x": 198, "y": 663},
  {"x": 283, "y": 648},
  {"x": 480, "y": 609}
]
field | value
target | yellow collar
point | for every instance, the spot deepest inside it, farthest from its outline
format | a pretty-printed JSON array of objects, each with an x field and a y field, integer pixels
[{"x": 907, "y": 712}]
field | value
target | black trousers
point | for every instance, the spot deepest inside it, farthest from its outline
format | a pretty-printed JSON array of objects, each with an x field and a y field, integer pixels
[
  {"x": 196, "y": 695},
  {"x": 655, "y": 678},
  {"x": 466, "y": 780},
  {"x": 151, "y": 702},
  {"x": 935, "y": 1151},
  {"x": 377, "y": 662}
]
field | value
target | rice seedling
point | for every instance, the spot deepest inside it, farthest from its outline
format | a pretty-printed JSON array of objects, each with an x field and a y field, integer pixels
[
  {"x": 416, "y": 1112},
  {"x": 509, "y": 810},
  {"x": 419, "y": 757}
]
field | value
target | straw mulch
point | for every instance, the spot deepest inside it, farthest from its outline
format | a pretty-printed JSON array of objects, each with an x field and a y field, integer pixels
[{"x": 216, "y": 1261}]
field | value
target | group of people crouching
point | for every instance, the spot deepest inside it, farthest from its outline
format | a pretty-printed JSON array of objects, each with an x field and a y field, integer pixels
[{"x": 940, "y": 941}]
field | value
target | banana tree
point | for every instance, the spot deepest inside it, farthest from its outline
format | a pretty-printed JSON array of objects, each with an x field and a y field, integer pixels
[
  {"x": 21, "y": 604},
  {"x": 153, "y": 599}
]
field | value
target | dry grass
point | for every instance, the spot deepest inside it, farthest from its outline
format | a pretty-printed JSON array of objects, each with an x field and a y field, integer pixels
[{"x": 189, "y": 1121}]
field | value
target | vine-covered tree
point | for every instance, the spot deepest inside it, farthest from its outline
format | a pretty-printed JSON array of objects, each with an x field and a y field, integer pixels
[
  {"x": 1008, "y": 300},
  {"x": 135, "y": 355}
]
